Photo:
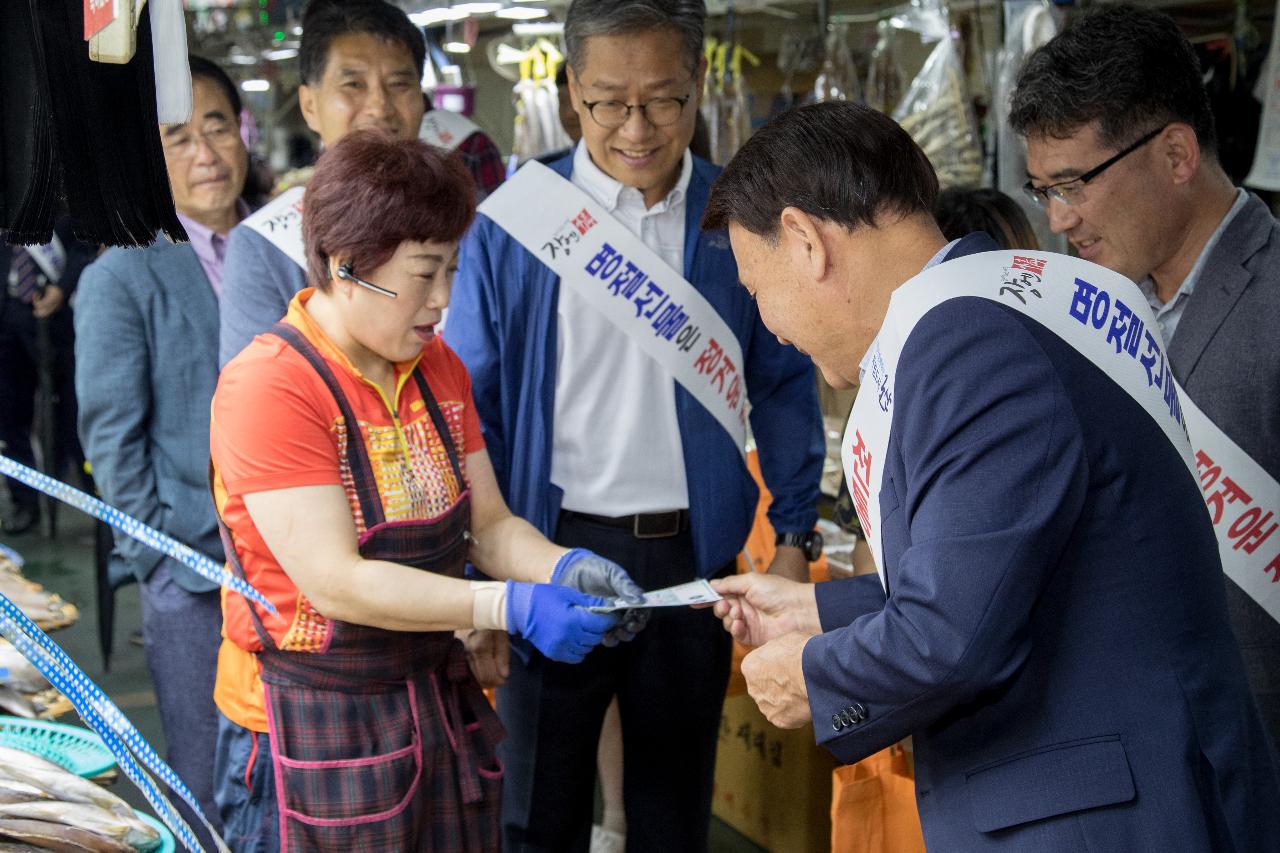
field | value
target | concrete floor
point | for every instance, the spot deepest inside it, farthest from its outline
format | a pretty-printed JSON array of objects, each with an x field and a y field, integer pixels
[{"x": 64, "y": 565}]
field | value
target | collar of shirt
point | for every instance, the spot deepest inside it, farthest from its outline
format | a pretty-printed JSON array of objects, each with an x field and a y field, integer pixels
[
  {"x": 211, "y": 247},
  {"x": 1148, "y": 287},
  {"x": 611, "y": 192}
]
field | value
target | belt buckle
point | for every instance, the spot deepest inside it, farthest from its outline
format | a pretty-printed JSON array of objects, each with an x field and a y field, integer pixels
[{"x": 661, "y": 532}]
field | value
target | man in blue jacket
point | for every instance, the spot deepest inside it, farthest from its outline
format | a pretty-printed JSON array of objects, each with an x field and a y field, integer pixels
[
  {"x": 1049, "y": 622},
  {"x": 596, "y": 443},
  {"x": 147, "y": 347}
]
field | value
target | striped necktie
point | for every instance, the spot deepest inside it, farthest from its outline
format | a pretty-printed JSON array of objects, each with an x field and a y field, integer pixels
[{"x": 24, "y": 276}]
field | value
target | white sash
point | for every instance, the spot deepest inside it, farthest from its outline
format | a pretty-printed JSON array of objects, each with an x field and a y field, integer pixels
[
  {"x": 51, "y": 258},
  {"x": 280, "y": 221},
  {"x": 445, "y": 129},
  {"x": 1099, "y": 313},
  {"x": 1105, "y": 318},
  {"x": 629, "y": 284}
]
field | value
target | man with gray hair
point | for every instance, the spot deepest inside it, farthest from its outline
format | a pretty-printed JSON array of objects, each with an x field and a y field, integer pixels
[
  {"x": 612, "y": 357},
  {"x": 1122, "y": 153}
]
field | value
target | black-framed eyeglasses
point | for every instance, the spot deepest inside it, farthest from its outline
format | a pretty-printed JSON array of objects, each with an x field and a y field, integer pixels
[
  {"x": 659, "y": 112},
  {"x": 1072, "y": 191},
  {"x": 345, "y": 271}
]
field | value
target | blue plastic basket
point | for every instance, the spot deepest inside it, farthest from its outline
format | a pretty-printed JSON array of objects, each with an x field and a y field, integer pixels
[
  {"x": 167, "y": 842},
  {"x": 75, "y": 748}
]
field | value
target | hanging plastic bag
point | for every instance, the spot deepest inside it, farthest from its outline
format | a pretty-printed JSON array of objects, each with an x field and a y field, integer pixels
[
  {"x": 936, "y": 110},
  {"x": 838, "y": 79},
  {"x": 886, "y": 80}
]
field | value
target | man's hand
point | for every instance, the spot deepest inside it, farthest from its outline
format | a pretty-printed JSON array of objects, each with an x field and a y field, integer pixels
[
  {"x": 759, "y": 608},
  {"x": 775, "y": 680},
  {"x": 488, "y": 653},
  {"x": 789, "y": 562},
  {"x": 47, "y": 301}
]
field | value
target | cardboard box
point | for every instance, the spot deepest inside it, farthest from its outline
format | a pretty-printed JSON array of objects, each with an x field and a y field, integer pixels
[{"x": 773, "y": 786}]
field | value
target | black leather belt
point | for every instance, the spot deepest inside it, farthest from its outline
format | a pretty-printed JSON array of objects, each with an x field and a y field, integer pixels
[{"x": 643, "y": 525}]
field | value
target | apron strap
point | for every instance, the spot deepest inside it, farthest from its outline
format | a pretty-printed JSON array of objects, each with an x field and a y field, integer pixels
[
  {"x": 442, "y": 427},
  {"x": 366, "y": 485}
]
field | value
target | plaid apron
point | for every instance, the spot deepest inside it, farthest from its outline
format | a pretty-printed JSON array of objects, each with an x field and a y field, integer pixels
[{"x": 383, "y": 740}]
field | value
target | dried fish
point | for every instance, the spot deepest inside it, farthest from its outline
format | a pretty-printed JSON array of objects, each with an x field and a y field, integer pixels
[
  {"x": 62, "y": 784},
  {"x": 18, "y": 672},
  {"x": 13, "y": 791},
  {"x": 129, "y": 831},
  {"x": 60, "y": 838}
]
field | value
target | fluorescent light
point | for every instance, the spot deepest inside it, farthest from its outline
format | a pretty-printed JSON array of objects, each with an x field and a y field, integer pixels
[
  {"x": 256, "y": 85},
  {"x": 541, "y": 28},
  {"x": 457, "y": 47},
  {"x": 243, "y": 59},
  {"x": 438, "y": 15},
  {"x": 478, "y": 7},
  {"x": 282, "y": 53},
  {"x": 522, "y": 13}
]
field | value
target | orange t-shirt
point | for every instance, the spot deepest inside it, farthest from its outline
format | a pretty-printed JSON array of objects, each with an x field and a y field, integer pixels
[{"x": 276, "y": 425}]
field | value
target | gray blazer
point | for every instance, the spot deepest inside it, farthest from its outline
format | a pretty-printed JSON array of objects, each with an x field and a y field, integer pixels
[
  {"x": 1226, "y": 354},
  {"x": 146, "y": 367}
]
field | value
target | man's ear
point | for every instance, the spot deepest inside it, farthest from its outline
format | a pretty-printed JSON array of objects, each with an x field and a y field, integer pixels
[
  {"x": 307, "y": 105},
  {"x": 805, "y": 241},
  {"x": 1180, "y": 150}
]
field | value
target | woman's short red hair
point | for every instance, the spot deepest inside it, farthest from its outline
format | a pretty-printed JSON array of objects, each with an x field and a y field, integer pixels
[{"x": 370, "y": 193}]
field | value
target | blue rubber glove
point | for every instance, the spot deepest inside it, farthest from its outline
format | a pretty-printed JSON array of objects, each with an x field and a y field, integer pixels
[
  {"x": 555, "y": 620},
  {"x": 589, "y": 572}
]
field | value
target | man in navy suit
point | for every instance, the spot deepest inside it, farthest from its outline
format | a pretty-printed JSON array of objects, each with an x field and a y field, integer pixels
[
  {"x": 147, "y": 365},
  {"x": 1051, "y": 628}
]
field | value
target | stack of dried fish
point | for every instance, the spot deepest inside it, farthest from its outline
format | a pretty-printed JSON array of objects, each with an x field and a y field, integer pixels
[
  {"x": 24, "y": 691},
  {"x": 937, "y": 113},
  {"x": 43, "y": 807},
  {"x": 45, "y": 608}
]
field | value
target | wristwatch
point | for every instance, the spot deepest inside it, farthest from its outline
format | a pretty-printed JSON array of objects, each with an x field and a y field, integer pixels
[{"x": 810, "y": 543}]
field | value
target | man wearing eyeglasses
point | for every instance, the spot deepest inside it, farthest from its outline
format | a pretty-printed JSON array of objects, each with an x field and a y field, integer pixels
[
  {"x": 1122, "y": 153},
  {"x": 612, "y": 375},
  {"x": 146, "y": 367}
]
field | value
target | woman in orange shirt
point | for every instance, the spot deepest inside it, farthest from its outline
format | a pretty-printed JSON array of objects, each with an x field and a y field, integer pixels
[{"x": 351, "y": 475}]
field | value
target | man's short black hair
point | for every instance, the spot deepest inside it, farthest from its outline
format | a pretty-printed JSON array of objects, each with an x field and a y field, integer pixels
[
  {"x": 838, "y": 161},
  {"x": 201, "y": 67},
  {"x": 1129, "y": 69},
  {"x": 325, "y": 20}
]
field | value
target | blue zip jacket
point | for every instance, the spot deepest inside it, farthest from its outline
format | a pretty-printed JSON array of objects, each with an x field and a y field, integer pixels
[{"x": 502, "y": 323}]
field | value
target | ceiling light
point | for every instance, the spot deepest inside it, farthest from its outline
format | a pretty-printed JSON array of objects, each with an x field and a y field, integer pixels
[
  {"x": 242, "y": 59},
  {"x": 438, "y": 15},
  {"x": 521, "y": 13},
  {"x": 457, "y": 47},
  {"x": 256, "y": 85},
  {"x": 282, "y": 53},
  {"x": 540, "y": 28},
  {"x": 478, "y": 7}
]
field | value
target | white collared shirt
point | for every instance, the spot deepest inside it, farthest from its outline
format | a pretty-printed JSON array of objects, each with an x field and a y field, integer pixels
[
  {"x": 1169, "y": 313},
  {"x": 616, "y": 447}
]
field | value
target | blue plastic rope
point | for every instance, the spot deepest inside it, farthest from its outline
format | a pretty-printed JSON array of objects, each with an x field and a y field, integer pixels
[
  {"x": 101, "y": 714},
  {"x": 133, "y": 528}
]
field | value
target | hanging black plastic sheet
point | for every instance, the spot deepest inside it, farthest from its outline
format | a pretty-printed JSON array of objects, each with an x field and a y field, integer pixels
[{"x": 77, "y": 129}]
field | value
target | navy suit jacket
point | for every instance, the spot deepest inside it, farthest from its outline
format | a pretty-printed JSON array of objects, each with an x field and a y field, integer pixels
[
  {"x": 1055, "y": 634},
  {"x": 146, "y": 367}
]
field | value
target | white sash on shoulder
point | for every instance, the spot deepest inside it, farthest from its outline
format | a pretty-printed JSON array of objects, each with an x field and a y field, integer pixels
[
  {"x": 1106, "y": 318},
  {"x": 280, "y": 221},
  {"x": 445, "y": 129},
  {"x": 629, "y": 284}
]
